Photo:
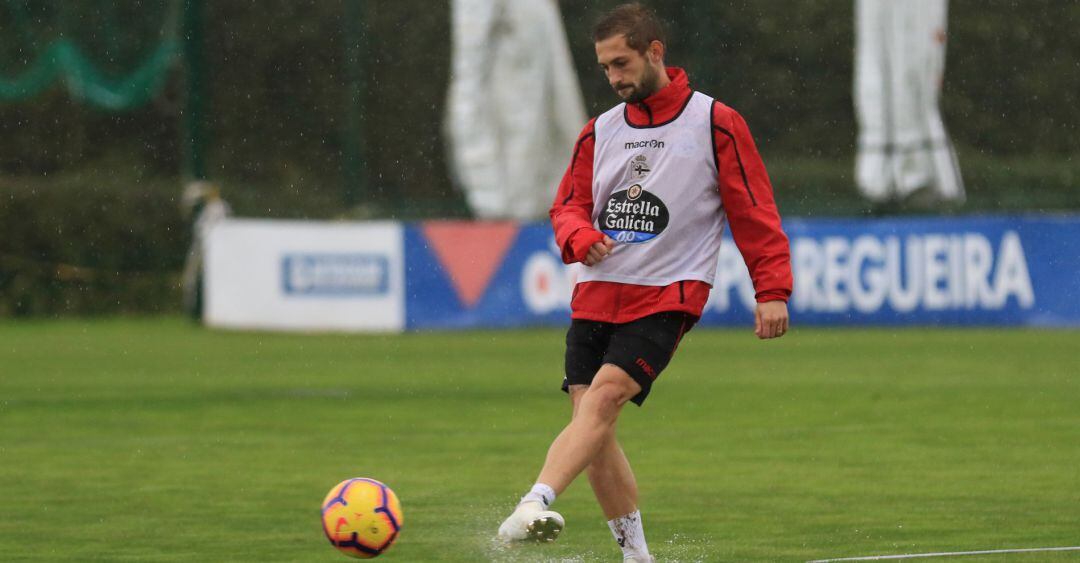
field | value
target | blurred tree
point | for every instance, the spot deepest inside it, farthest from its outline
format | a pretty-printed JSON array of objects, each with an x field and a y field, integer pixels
[
  {"x": 277, "y": 70},
  {"x": 88, "y": 208}
]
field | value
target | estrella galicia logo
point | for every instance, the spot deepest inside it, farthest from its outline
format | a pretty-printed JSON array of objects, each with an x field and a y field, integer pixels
[
  {"x": 633, "y": 215},
  {"x": 335, "y": 275}
]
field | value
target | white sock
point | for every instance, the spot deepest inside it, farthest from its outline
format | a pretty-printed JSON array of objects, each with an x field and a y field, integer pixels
[
  {"x": 541, "y": 493},
  {"x": 630, "y": 535}
]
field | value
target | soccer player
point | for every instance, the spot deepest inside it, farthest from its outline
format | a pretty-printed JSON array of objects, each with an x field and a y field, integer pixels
[{"x": 642, "y": 205}]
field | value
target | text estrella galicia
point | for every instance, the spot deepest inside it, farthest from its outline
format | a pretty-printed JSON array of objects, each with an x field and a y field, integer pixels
[{"x": 633, "y": 215}]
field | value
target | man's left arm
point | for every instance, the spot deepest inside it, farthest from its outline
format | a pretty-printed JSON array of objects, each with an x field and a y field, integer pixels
[{"x": 751, "y": 211}]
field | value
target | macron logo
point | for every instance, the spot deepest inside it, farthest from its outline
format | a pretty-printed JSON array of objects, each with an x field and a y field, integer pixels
[
  {"x": 649, "y": 371},
  {"x": 649, "y": 143}
]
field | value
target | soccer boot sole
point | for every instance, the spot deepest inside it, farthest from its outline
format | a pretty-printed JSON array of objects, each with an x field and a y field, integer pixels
[{"x": 544, "y": 529}]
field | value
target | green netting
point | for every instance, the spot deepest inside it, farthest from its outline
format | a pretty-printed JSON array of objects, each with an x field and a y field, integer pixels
[{"x": 63, "y": 59}]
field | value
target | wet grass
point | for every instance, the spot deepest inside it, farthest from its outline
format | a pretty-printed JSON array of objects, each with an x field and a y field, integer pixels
[{"x": 158, "y": 440}]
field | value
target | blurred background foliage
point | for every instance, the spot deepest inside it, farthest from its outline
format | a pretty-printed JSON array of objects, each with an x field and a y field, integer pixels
[{"x": 89, "y": 197}]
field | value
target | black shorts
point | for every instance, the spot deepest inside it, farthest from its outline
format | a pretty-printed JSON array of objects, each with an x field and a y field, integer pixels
[{"x": 642, "y": 348}]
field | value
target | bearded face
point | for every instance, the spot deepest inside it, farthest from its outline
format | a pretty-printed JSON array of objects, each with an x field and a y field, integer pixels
[
  {"x": 634, "y": 76},
  {"x": 646, "y": 86}
]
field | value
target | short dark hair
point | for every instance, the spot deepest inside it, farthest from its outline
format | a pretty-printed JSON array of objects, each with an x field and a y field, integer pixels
[{"x": 638, "y": 23}]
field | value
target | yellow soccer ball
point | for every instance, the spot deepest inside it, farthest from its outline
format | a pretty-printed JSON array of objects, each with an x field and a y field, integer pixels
[{"x": 361, "y": 517}]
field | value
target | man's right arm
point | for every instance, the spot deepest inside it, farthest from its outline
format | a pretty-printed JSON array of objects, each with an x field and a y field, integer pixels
[{"x": 571, "y": 213}]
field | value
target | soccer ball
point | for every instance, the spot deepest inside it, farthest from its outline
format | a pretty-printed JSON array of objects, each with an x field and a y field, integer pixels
[{"x": 361, "y": 517}]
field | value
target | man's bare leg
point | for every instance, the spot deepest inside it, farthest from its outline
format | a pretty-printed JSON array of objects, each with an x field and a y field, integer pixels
[
  {"x": 590, "y": 430},
  {"x": 615, "y": 488},
  {"x": 609, "y": 473}
]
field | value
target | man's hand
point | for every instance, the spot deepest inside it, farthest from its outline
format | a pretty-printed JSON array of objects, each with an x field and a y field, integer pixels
[
  {"x": 770, "y": 319},
  {"x": 598, "y": 251}
]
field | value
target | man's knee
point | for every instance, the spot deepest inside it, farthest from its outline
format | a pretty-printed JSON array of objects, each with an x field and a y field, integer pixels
[
  {"x": 606, "y": 394},
  {"x": 615, "y": 381},
  {"x": 610, "y": 390}
]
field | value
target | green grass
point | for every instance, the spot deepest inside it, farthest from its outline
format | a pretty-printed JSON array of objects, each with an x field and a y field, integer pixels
[{"x": 157, "y": 440}]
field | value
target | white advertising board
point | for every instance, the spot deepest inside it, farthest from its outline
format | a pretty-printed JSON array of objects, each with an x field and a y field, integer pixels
[{"x": 304, "y": 275}]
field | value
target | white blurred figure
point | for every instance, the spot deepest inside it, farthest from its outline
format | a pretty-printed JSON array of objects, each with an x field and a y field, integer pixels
[
  {"x": 899, "y": 66},
  {"x": 513, "y": 107},
  {"x": 202, "y": 202}
]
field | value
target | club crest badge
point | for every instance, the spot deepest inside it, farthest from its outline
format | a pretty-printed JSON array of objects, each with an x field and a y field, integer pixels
[{"x": 639, "y": 167}]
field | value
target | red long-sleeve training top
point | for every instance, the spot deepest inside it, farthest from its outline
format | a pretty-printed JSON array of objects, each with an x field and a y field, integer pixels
[{"x": 747, "y": 198}]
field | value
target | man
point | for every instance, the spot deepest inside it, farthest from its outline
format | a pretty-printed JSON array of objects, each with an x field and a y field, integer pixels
[{"x": 642, "y": 206}]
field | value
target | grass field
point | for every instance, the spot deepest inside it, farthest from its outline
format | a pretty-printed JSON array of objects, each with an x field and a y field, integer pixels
[{"x": 157, "y": 440}]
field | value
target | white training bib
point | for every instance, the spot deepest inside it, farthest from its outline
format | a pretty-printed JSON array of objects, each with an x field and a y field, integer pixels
[{"x": 655, "y": 192}]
